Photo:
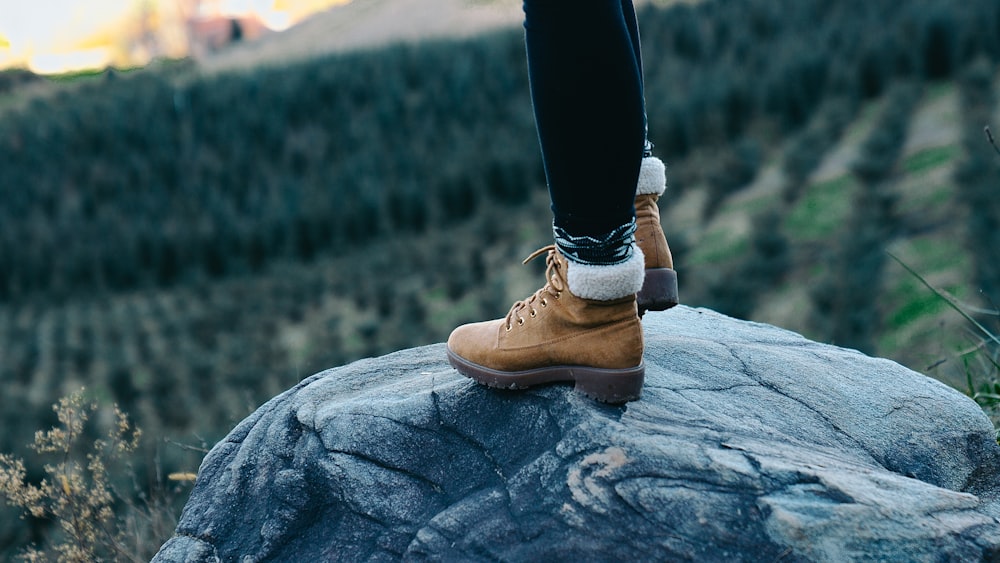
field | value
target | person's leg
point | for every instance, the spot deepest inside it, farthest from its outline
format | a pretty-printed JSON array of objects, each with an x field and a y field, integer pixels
[
  {"x": 586, "y": 91},
  {"x": 659, "y": 289},
  {"x": 585, "y": 70},
  {"x": 583, "y": 325},
  {"x": 632, "y": 24}
]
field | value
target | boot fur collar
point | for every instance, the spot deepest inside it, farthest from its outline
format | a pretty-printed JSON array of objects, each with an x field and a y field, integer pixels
[
  {"x": 603, "y": 283},
  {"x": 652, "y": 177}
]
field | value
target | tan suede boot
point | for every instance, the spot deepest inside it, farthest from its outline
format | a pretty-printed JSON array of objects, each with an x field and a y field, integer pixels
[
  {"x": 659, "y": 290},
  {"x": 555, "y": 335}
]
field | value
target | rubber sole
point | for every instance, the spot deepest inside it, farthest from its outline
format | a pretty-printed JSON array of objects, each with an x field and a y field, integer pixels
[
  {"x": 659, "y": 291},
  {"x": 614, "y": 386}
]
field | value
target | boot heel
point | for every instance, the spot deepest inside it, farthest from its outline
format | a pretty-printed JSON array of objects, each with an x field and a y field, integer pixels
[
  {"x": 659, "y": 290},
  {"x": 613, "y": 386}
]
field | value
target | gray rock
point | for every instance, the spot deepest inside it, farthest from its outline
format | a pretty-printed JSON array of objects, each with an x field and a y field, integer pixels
[{"x": 750, "y": 443}]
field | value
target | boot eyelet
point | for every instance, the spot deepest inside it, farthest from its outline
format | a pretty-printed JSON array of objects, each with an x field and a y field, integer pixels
[
  {"x": 508, "y": 328},
  {"x": 520, "y": 321},
  {"x": 534, "y": 313},
  {"x": 544, "y": 302}
]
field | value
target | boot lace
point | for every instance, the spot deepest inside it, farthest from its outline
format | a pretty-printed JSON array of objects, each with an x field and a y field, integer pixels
[{"x": 553, "y": 287}]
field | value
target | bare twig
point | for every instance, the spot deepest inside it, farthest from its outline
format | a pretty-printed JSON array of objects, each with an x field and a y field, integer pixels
[
  {"x": 989, "y": 137},
  {"x": 186, "y": 446}
]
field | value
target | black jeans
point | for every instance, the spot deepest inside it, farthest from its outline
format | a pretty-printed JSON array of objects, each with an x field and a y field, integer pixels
[{"x": 585, "y": 71}]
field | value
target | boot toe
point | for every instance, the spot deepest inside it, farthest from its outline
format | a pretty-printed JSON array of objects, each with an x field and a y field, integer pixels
[{"x": 473, "y": 342}]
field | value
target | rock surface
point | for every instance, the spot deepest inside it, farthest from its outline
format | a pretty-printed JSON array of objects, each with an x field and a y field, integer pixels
[{"x": 750, "y": 443}]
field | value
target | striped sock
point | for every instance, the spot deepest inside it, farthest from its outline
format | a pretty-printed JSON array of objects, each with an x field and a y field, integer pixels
[{"x": 608, "y": 249}]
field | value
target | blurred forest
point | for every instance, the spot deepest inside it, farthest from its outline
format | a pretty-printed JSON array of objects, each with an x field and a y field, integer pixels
[{"x": 188, "y": 245}]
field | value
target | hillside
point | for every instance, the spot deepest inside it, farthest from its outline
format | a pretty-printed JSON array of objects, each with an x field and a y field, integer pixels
[
  {"x": 918, "y": 329},
  {"x": 201, "y": 244},
  {"x": 366, "y": 24}
]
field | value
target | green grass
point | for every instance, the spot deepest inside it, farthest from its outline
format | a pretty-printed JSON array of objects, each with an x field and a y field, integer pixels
[
  {"x": 937, "y": 255},
  {"x": 937, "y": 90},
  {"x": 750, "y": 206},
  {"x": 718, "y": 245},
  {"x": 862, "y": 124},
  {"x": 821, "y": 209},
  {"x": 930, "y": 158},
  {"x": 929, "y": 202},
  {"x": 911, "y": 300},
  {"x": 917, "y": 303}
]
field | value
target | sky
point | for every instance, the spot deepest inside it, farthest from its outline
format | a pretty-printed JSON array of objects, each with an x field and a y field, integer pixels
[{"x": 50, "y": 36}]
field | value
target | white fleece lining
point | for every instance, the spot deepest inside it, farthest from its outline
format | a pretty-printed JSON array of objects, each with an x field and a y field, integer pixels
[
  {"x": 652, "y": 177},
  {"x": 603, "y": 283}
]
